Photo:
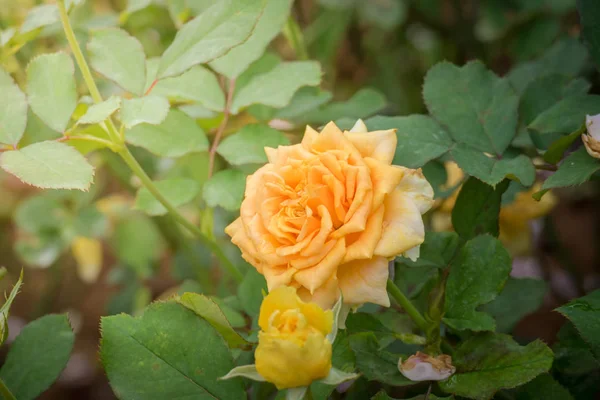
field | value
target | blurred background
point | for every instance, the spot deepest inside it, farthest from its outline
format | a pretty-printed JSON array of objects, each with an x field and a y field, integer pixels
[{"x": 90, "y": 254}]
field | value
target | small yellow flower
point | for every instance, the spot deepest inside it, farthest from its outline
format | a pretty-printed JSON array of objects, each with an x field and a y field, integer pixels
[
  {"x": 591, "y": 139},
  {"x": 88, "y": 254},
  {"x": 293, "y": 349}
]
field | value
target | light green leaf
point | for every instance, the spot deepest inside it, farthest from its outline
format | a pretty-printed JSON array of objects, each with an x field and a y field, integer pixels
[
  {"x": 493, "y": 170},
  {"x": 51, "y": 89},
  {"x": 420, "y": 138},
  {"x": 148, "y": 109},
  {"x": 476, "y": 106},
  {"x": 584, "y": 313},
  {"x": 248, "y": 145},
  {"x": 136, "y": 5},
  {"x": 489, "y": 362},
  {"x": 120, "y": 58},
  {"x": 305, "y": 100},
  {"x": 269, "y": 25},
  {"x": 37, "y": 356},
  {"x": 244, "y": 371},
  {"x": 276, "y": 87},
  {"x": 177, "y": 191},
  {"x": 5, "y": 309},
  {"x": 567, "y": 115},
  {"x": 519, "y": 298},
  {"x": 211, "y": 312},
  {"x": 362, "y": 104},
  {"x": 100, "y": 112},
  {"x": 476, "y": 276},
  {"x": 168, "y": 352},
  {"x": 339, "y": 319},
  {"x": 176, "y": 136},
  {"x": 576, "y": 169},
  {"x": 49, "y": 165},
  {"x": 13, "y": 110},
  {"x": 224, "y": 25},
  {"x": 385, "y": 14},
  {"x": 225, "y": 189},
  {"x": 198, "y": 84},
  {"x": 39, "y": 17},
  {"x": 477, "y": 209}
]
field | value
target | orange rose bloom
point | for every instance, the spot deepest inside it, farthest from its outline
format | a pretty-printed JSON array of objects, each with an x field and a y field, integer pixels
[{"x": 327, "y": 214}]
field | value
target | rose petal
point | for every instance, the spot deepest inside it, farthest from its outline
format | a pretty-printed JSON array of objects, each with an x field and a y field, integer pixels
[
  {"x": 362, "y": 244},
  {"x": 312, "y": 278},
  {"x": 380, "y": 145},
  {"x": 385, "y": 178},
  {"x": 359, "y": 127},
  {"x": 415, "y": 186},
  {"x": 363, "y": 281}
]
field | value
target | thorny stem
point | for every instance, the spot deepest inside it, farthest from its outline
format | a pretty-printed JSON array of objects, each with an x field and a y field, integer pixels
[
  {"x": 5, "y": 391},
  {"x": 546, "y": 167},
  {"x": 406, "y": 304},
  {"x": 221, "y": 128},
  {"x": 120, "y": 148}
]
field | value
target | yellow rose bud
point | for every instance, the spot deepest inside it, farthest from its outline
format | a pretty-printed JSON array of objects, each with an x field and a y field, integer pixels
[
  {"x": 293, "y": 349},
  {"x": 591, "y": 139},
  {"x": 423, "y": 367},
  {"x": 327, "y": 214}
]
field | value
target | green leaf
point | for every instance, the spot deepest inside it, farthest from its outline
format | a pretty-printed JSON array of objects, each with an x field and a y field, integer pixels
[
  {"x": 476, "y": 276},
  {"x": 493, "y": 170},
  {"x": 5, "y": 309},
  {"x": 304, "y": 101},
  {"x": 270, "y": 23},
  {"x": 168, "y": 352},
  {"x": 589, "y": 15},
  {"x": 420, "y": 138},
  {"x": 362, "y": 104},
  {"x": 567, "y": 115},
  {"x": 51, "y": 89},
  {"x": 225, "y": 189},
  {"x": 436, "y": 251},
  {"x": 211, "y": 312},
  {"x": 489, "y": 362},
  {"x": 520, "y": 297},
  {"x": 13, "y": 110},
  {"x": 584, "y": 313},
  {"x": 382, "y": 395},
  {"x": 178, "y": 191},
  {"x": 224, "y": 25},
  {"x": 376, "y": 364},
  {"x": 148, "y": 109},
  {"x": 37, "y": 356},
  {"x": 49, "y": 165},
  {"x": 276, "y": 87},
  {"x": 543, "y": 387},
  {"x": 336, "y": 377},
  {"x": 244, "y": 371},
  {"x": 477, "y": 107},
  {"x": 39, "y": 17},
  {"x": 100, "y": 112},
  {"x": 386, "y": 15},
  {"x": 176, "y": 136},
  {"x": 247, "y": 145},
  {"x": 198, "y": 85},
  {"x": 137, "y": 243},
  {"x": 576, "y": 169},
  {"x": 120, "y": 58},
  {"x": 250, "y": 292},
  {"x": 477, "y": 208},
  {"x": 573, "y": 355},
  {"x": 559, "y": 147}
]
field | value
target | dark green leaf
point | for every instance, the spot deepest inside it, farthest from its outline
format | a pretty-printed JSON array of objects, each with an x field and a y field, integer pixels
[
  {"x": 557, "y": 149},
  {"x": 477, "y": 208},
  {"x": 38, "y": 356},
  {"x": 584, "y": 313},
  {"x": 489, "y": 362},
  {"x": 436, "y": 251},
  {"x": 250, "y": 292},
  {"x": 567, "y": 115},
  {"x": 519, "y": 298},
  {"x": 576, "y": 169},
  {"x": 420, "y": 138},
  {"x": 573, "y": 355},
  {"x": 376, "y": 364},
  {"x": 476, "y": 106},
  {"x": 168, "y": 352},
  {"x": 543, "y": 387},
  {"x": 589, "y": 17},
  {"x": 476, "y": 276}
]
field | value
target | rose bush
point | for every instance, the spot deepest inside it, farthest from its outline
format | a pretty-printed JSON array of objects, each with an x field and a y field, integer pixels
[{"x": 327, "y": 214}]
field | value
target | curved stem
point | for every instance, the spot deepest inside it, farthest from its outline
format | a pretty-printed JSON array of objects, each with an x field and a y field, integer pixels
[
  {"x": 148, "y": 184},
  {"x": 405, "y": 303},
  {"x": 5, "y": 391},
  {"x": 121, "y": 149},
  {"x": 213, "y": 148},
  {"x": 293, "y": 34}
]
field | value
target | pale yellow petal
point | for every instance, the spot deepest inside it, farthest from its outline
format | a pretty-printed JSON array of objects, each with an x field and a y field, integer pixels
[
  {"x": 417, "y": 188},
  {"x": 380, "y": 145},
  {"x": 402, "y": 226},
  {"x": 359, "y": 127},
  {"x": 325, "y": 296},
  {"x": 363, "y": 243},
  {"x": 364, "y": 281},
  {"x": 385, "y": 178}
]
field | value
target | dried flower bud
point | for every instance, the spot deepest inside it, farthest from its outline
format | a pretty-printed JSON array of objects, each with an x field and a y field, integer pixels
[
  {"x": 423, "y": 367},
  {"x": 591, "y": 139}
]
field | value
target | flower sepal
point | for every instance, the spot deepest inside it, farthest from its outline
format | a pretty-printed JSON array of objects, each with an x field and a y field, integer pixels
[{"x": 245, "y": 371}]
